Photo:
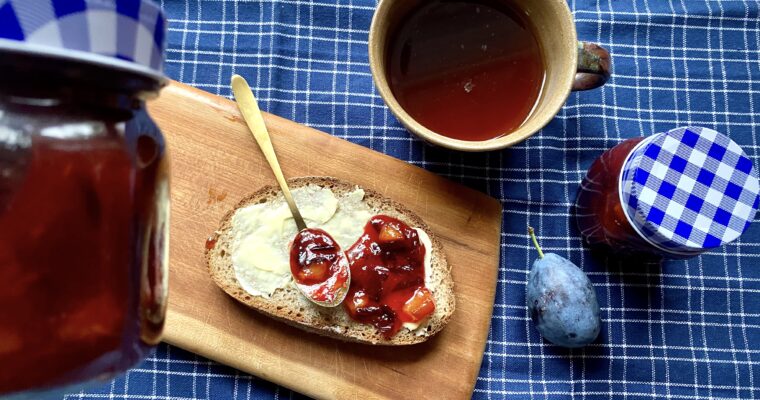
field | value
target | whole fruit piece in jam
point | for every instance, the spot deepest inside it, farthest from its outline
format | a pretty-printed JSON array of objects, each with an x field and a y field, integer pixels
[{"x": 561, "y": 300}]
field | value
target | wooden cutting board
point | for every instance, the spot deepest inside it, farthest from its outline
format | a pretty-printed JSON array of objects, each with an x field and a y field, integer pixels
[{"x": 215, "y": 162}]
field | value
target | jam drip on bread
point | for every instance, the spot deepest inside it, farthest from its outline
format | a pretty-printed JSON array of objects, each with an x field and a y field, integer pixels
[
  {"x": 318, "y": 264},
  {"x": 388, "y": 277}
]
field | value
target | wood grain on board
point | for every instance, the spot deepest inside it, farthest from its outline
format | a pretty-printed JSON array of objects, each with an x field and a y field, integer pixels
[{"x": 215, "y": 162}]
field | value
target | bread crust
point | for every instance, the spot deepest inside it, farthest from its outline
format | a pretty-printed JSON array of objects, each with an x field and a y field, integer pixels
[{"x": 289, "y": 306}]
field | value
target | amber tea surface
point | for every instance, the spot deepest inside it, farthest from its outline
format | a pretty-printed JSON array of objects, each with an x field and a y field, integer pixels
[{"x": 469, "y": 70}]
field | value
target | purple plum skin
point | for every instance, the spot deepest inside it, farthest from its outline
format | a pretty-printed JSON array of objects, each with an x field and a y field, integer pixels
[{"x": 562, "y": 302}]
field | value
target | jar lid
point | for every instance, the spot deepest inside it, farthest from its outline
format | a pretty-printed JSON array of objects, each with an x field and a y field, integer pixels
[
  {"x": 689, "y": 190},
  {"x": 123, "y": 34}
]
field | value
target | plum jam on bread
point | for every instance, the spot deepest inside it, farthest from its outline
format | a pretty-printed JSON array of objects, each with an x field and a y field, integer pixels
[{"x": 388, "y": 277}]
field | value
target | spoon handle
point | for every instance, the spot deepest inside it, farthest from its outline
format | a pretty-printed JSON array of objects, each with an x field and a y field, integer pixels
[{"x": 252, "y": 114}]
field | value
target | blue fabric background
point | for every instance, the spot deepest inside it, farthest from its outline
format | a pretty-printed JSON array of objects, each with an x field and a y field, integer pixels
[{"x": 687, "y": 329}]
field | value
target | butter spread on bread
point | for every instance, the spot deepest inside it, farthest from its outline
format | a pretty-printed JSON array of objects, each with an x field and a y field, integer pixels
[
  {"x": 262, "y": 233},
  {"x": 264, "y": 282}
]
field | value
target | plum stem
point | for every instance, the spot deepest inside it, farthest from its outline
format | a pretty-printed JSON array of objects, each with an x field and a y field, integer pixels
[{"x": 535, "y": 241}]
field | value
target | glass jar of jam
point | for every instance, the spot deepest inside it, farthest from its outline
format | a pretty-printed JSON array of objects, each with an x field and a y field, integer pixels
[
  {"x": 675, "y": 194},
  {"x": 84, "y": 193}
]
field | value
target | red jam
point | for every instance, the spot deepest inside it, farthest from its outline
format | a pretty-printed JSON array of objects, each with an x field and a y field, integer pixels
[
  {"x": 83, "y": 217},
  {"x": 388, "y": 277},
  {"x": 600, "y": 213},
  {"x": 81, "y": 260},
  {"x": 318, "y": 264}
]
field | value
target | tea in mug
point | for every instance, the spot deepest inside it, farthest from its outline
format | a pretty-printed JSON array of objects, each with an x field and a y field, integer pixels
[{"x": 469, "y": 70}]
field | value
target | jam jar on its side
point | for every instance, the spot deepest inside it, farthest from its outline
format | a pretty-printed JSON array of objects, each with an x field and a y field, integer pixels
[
  {"x": 675, "y": 194},
  {"x": 84, "y": 208}
]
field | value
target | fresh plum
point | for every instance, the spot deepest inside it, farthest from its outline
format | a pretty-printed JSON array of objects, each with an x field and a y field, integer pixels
[{"x": 561, "y": 301}]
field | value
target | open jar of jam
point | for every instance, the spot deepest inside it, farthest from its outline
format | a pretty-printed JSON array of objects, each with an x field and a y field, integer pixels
[
  {"x": 84, "y": 192},
  {"x": 675, "y": 194}
]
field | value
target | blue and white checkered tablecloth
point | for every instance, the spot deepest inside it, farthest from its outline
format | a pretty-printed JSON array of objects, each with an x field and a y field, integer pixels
[{"x": 685, "y": 329}]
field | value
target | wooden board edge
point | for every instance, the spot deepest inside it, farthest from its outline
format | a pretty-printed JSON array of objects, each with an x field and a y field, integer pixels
[
  {"x": 495, "y": 279},
  {"x": 176, "y": 334}
]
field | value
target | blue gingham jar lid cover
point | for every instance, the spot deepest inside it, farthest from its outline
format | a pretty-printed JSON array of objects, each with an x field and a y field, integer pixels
[
  {"x": 124, "y": 34},
  {"x": 689, "y": 190}
]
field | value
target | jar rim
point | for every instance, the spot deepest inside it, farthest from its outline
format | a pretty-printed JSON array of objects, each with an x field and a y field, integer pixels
[{"x": 13, "y": 46}]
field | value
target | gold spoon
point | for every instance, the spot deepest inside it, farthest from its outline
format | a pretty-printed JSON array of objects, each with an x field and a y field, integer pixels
[{"x": 252, "y": 114}]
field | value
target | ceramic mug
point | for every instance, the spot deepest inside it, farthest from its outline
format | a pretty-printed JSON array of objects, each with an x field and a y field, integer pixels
[{"x": 570, "y": 65}]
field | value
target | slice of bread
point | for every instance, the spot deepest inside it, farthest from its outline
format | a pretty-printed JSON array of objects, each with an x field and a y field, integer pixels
[{"x": 288, "y": 305}]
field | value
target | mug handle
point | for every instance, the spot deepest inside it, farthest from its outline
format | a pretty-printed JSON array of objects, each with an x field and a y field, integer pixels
[{"x": 593, "y": 66}]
